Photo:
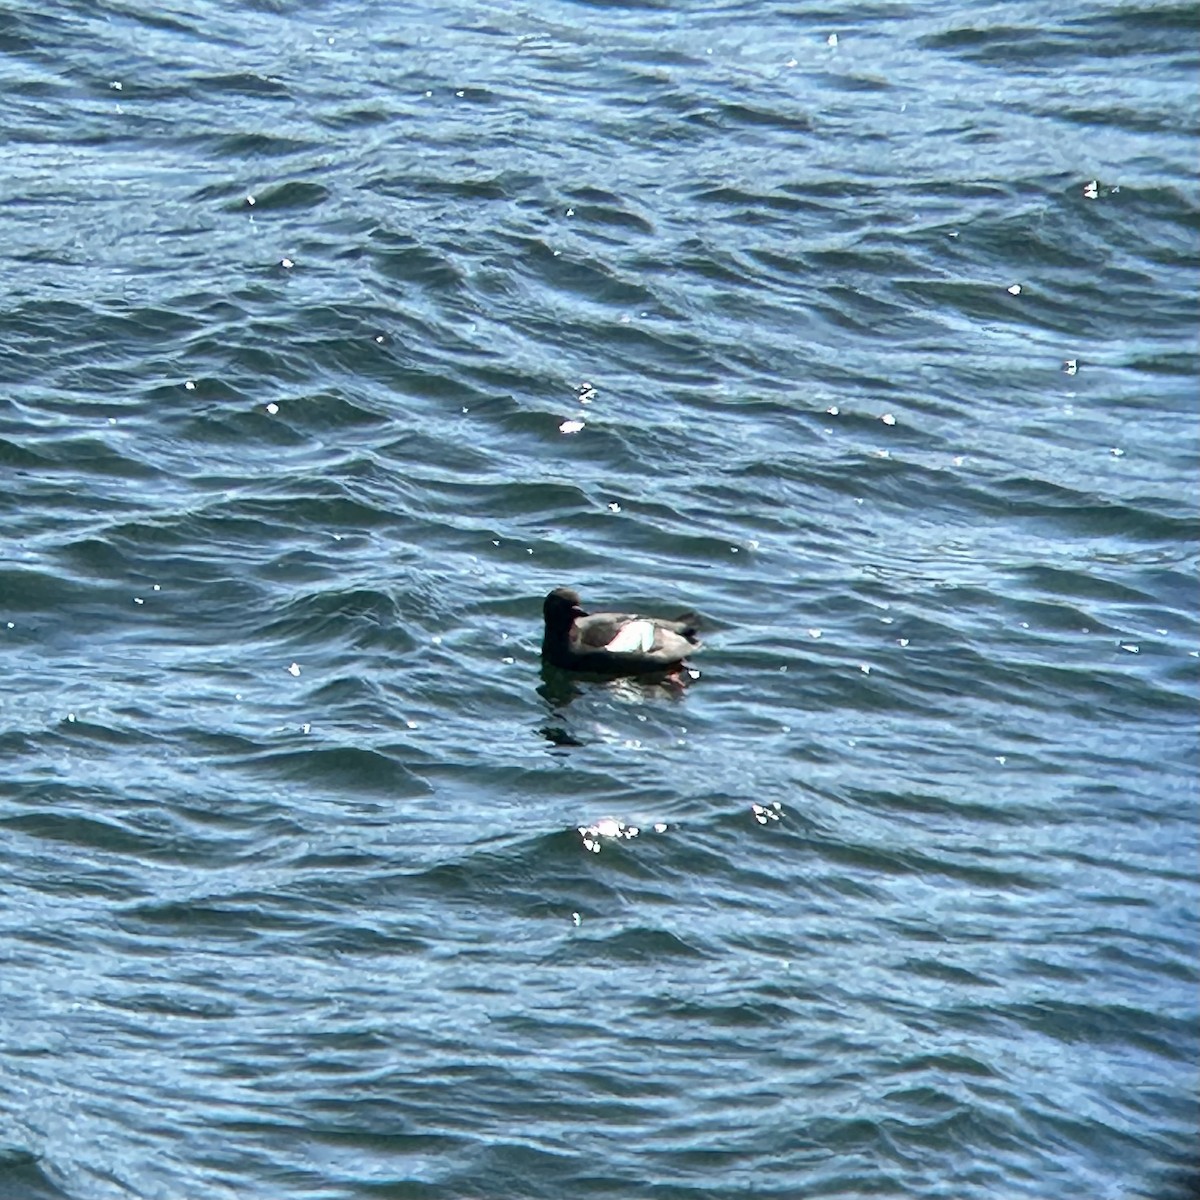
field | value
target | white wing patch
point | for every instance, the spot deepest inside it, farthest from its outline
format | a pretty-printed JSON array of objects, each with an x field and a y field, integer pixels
[{"x": 636, "y": 637}]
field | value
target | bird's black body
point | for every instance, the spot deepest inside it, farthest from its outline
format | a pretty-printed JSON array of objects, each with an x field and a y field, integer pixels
[{"x": 613, "y": 643}]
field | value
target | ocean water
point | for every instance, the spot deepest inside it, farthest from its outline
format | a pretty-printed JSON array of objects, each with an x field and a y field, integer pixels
[{"x": 333, "y": 336}]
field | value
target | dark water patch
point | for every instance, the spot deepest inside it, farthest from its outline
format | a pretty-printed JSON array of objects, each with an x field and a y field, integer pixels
[
  {"x": 336, "y": 770},
  {"x": 606, "y": 217},
  {"x": 158, "y": 1004},
  {"x": 357, "y": 117},
  {"x": 25, "y": 590},
  {"x": 754, "y": 116},
  {"x": 577, "y": 277},
  {"x": 239, "y": 918},
  {"x": 24, "y": 1178},
  {"x": 635, "y": 945},
  {"x": 324, "y": 614},
  {"x": 294, "y": 194},
  {"x": 405, "y": 259},
  {"x": 1083, "y": 515},
  {"x": 242, "y": 83},
  {"x": 1072, "y": 44},
  {"x": 249, "y": 147}
]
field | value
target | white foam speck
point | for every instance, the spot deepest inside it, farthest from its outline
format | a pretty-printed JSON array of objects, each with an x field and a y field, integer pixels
[{"x": 606, "y": 827}]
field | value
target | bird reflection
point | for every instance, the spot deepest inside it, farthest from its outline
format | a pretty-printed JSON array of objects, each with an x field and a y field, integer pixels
[{"x": 561, "y": 688}]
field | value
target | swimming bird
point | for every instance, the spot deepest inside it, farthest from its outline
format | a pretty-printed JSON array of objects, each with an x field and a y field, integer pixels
[{"x": 613, "y": 643}]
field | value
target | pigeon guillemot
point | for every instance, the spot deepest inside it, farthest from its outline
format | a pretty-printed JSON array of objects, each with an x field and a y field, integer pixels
[{"x": 613, "y": 643}]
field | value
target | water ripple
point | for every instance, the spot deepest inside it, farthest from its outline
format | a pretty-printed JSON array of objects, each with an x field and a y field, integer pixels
[{"x": 319, "y": 884}]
